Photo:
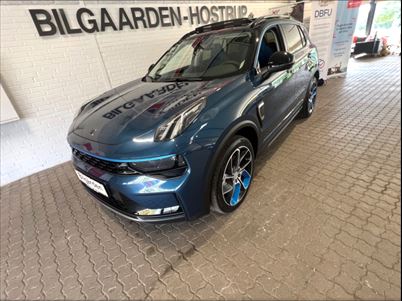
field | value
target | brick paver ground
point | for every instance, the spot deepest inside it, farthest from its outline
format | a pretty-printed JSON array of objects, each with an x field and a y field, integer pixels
[{"x": 322, "y": 219}]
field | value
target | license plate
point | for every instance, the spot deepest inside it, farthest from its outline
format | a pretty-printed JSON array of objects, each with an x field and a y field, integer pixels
[{"x": 94, "y": 185}]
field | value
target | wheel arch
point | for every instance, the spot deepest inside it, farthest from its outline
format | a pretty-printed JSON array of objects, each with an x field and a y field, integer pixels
[
  {"x": 251, "y": 134},
  {"x": 246, "y": 127}
]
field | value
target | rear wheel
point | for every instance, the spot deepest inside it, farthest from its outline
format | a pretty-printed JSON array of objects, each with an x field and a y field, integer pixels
[
  {"x": 310, "y": 99},
  {"x": 232, "y": 178}
]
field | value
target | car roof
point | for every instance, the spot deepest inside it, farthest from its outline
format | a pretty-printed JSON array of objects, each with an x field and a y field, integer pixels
[{"x": 241, "y": 24}]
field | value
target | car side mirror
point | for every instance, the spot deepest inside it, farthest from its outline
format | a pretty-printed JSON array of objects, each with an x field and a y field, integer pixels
[
  {"x": 150, "y": 67},
  {"x": 279, "y": 61}
]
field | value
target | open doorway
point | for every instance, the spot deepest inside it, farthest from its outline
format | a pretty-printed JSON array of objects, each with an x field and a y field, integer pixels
[{"x": 378, "y": 29}]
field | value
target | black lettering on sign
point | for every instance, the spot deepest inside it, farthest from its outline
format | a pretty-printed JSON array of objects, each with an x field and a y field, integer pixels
[
  {"x": 53, "y": 21},
  {"x": 94, "y": 26},
  {"x": 230, "y": 13},
  {"x": 106, "y": 20},
  {"x": 214, "y": 14},
  {"x": 194, "y": 14},
  {"x": 152, "y": 17},
  {"x": 243, "y": 11},
  {"x": 138, "y": 15},
  {"x": 124, "y": 20},
  {"x": 221, "y": 11},
  {"x": 205, "y": 14},
  {"x": 58, "y": 21},
  {"x": 165, "y": 17},
  {"x": 175, "y": 15},
  {"x": 67, "y": 25},
  {"x": 42, "y": 23}
]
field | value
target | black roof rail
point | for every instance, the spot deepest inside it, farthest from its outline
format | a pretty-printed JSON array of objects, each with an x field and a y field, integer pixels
[
  {"x": 252, "y": 22},
  {"x": 263, "y": 18},
  {"x": 224, "y": 24},
  {"x": 219, "y": 25}
]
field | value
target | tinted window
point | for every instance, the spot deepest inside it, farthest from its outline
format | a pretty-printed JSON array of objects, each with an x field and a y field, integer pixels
[
  {"x": 293, "y": 38},
  {"x": 269, "y": 45},
  {"x": 302, "y": 36}
]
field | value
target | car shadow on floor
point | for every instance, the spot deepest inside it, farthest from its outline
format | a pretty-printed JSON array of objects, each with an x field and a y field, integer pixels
[{"x": 175, "y": 242}]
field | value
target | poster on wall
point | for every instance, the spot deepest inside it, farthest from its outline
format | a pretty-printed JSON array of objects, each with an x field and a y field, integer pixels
[
  {"x": 346, "y": 16},
  {"x": 321, "y": 30}
]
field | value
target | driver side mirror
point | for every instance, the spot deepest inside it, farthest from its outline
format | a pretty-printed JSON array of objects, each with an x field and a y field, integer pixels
[{"x": 279, "y": 61}]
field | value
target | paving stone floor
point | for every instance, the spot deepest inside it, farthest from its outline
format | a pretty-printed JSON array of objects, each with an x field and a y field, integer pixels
[{"x": 322, "y": 219}]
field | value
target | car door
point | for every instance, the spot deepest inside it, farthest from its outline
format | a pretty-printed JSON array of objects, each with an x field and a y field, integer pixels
[
  {"x": 296, "y": 44},
  {"x": 275, "y": 90}
]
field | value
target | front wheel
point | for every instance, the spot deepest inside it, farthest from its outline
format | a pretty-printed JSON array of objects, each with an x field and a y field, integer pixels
[
  {"x": 310, "y": 99},
  {"x": 232, "y": 178}
]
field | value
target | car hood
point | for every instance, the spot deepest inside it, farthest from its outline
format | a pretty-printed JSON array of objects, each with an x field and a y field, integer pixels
[{"x": 135, "y": 109}]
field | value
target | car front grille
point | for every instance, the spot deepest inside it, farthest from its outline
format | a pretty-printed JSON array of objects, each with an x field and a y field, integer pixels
[{"x": 112, "y": 167}]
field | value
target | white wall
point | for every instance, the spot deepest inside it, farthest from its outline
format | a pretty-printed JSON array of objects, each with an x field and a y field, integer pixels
[{"x": 49, "y": 77}]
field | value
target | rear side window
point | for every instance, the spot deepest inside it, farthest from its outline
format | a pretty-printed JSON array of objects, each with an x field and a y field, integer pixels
[
  {"x": 303, "y": 37},
  {"x": 295, "y": 40}
]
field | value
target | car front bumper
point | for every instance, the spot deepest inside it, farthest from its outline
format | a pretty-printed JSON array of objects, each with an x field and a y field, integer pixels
[{"x": 130, "y": 194}]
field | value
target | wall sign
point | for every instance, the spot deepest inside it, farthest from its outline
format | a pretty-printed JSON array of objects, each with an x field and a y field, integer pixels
[
  {"x": 346, "y": 17},
  {"x": 50, "y": 22},
  {"x": 322, "y": 24}
]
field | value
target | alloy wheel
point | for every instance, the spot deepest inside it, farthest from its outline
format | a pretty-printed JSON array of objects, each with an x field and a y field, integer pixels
[
  {"x": 236, "y": 177},
  {"x": 312, "y": 98}
]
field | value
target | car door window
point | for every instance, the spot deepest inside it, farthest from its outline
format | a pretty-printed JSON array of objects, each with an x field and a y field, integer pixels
[
  {"x": 293, "y": 38},
  {"x": 269, "y": 45},
  {"x": 303, "y": 37}
]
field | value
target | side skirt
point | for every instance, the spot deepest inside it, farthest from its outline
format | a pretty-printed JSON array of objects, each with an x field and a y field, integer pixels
[{"x": 283, "y": 125}]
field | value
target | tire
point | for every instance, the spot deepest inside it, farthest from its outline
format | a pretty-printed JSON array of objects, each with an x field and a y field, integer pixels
[
  {"x": 310, "y": 99},
  {"x": 228, "y": 193}
]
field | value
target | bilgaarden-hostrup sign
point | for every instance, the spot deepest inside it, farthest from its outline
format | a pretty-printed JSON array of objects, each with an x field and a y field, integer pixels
[{"x": 49, "y": 22}]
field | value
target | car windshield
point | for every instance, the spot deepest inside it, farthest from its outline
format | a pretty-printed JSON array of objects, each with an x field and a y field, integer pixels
[{"x": 203, "y": 57}]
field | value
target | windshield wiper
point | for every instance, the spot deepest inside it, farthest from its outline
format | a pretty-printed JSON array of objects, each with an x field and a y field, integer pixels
[{"x": 146, "y": 77}]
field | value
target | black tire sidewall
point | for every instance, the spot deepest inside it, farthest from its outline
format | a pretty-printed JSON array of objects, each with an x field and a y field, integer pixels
[
  {"x": 216, "y": 191},
  {"x": 313, "y": 81}
]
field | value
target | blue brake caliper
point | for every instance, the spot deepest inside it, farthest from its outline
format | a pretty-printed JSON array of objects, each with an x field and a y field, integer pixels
[
  {"x": 236, "y": 194},
  {"x": 245, "y": 178}
]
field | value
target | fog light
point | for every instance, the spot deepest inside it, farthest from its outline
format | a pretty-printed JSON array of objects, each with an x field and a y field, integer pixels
[
  {"x": 149, "y": 212},
  {"x": 170, "y": 209},
  {"x": 158, "y": 211}
]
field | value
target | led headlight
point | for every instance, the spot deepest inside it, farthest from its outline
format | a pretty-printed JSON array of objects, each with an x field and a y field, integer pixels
[
  {"x": 176, "y": 125},
  {"x": 169, "y": 166}
]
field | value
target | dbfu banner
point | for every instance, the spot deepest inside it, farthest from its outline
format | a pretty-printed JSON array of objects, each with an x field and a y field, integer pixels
[
  {"x": 321, "y": 31},
  {"x": 346, "y": 16}
]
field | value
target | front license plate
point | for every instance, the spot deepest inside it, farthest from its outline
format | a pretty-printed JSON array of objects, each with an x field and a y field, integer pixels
[{"x": 94, "y": 185}]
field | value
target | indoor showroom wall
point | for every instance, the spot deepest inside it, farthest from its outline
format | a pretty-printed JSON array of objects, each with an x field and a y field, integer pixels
[{"x": 48, "y": 77}]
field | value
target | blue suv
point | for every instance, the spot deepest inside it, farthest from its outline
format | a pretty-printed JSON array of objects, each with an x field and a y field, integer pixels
[{"x": 182, "y": 140}]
